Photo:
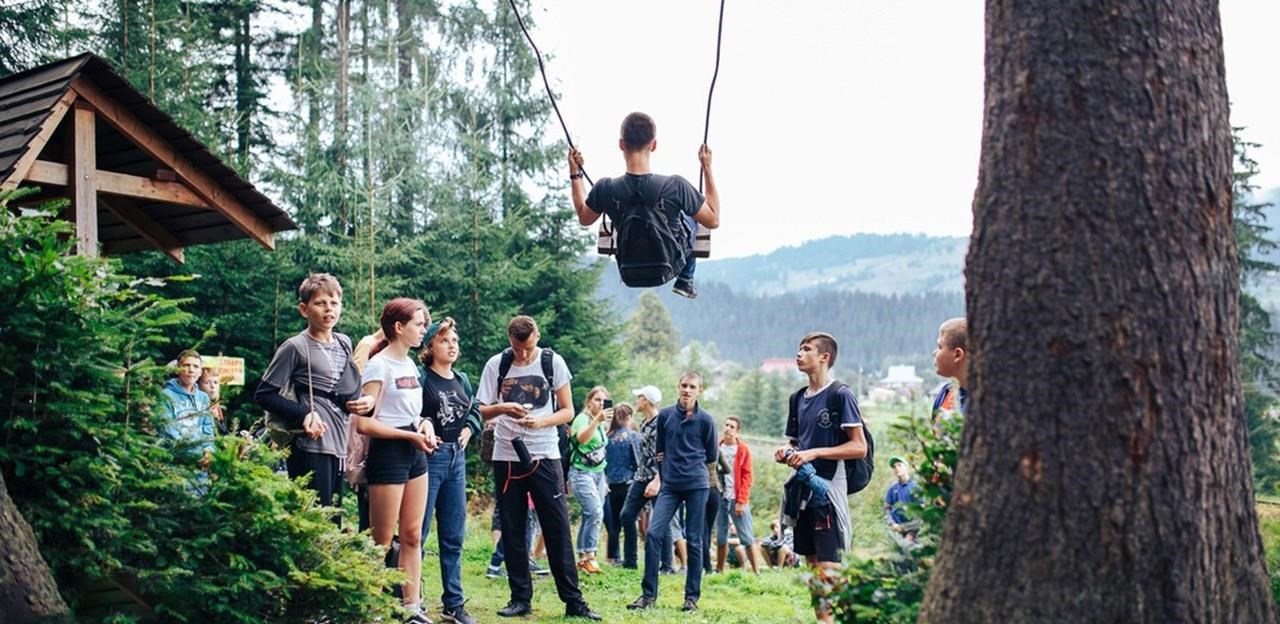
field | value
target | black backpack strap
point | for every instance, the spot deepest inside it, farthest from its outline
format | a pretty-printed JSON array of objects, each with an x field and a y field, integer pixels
[
  {"x": 793, "y": 413},
  {"x": 504, "y": 367},
  {"x": 549, "y": 371}
]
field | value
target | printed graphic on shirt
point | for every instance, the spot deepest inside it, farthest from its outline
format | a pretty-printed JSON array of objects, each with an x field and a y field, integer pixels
[
  {"x": 450, "y": 410},
  {"x": 531, "y": 389},
  {"x": 407, "y": 383}
]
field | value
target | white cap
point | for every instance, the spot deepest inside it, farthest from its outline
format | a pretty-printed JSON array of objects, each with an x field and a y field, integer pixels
[{"x": 652, "y": 393}]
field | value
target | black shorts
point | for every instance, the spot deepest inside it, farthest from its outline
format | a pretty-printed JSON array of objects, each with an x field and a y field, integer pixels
[
  {"x": 817, "y": 534},
  {"x": 393, "y": 462}
]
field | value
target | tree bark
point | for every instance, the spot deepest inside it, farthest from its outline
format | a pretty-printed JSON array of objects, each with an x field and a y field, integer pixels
[
  {"x": 27, "y": 590},
  {"x": 1104, "y": 471}
]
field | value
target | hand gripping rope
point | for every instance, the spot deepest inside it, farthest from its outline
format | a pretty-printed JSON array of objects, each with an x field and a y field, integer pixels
[{"x": 605, "y": 232}]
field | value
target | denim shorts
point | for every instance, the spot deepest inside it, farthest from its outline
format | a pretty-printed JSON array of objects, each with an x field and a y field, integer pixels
[{"x": 392, "y": 462}]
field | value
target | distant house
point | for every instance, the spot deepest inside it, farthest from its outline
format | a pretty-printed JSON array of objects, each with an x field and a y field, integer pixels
[
  {"x": 785, "y": 367},
  {"x": 903, "y": 376},
  {"x": 900, "y": 384}
]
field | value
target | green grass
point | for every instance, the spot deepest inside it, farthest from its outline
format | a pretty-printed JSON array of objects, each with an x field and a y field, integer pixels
[{"x": 774, "y": 596}]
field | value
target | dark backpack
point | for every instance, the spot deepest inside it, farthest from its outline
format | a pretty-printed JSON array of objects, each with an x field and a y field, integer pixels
[
  {"x": 857, "y": 472},
  {"x": 651, "y": 250}
]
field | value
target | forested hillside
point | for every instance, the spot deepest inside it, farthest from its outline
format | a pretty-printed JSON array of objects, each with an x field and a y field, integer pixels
[
  {"x": 878, "y": 263},
  {"x": 873, "y": 328}
]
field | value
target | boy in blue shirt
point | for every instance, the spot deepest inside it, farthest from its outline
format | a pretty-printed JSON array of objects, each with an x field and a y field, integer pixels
[
  {"x": 902, "y": 529},
  {"x": 687, "y": 454},
  {"x": 951, "y": 360},
  {"x": 187, "y": 417}
]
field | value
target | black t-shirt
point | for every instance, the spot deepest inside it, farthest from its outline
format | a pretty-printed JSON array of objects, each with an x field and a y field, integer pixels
[
  {"x": 611, "y": 195},
  {"x": 445, "y": 402}
]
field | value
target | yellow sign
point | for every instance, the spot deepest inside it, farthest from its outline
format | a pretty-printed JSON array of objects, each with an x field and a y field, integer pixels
[{"x": 230, "y": 370}]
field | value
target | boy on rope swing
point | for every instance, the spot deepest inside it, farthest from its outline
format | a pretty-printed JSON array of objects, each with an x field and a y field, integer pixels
[{"x": 680, "y": 204}]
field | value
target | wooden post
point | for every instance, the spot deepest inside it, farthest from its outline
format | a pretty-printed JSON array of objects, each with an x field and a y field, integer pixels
[{"x": 82, "y": 181}]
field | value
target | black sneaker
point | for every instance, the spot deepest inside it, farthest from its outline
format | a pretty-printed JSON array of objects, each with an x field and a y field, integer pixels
[
  {"x": 515, "y": 609},
  {"x": 537, "y": 569},
  {"x": 643, "y": 602},
  {"x": 495, "y": 572},
  {"x": 581, "y": 610},
  {"x": 458, "y": 615},
  {"x": 684, "y": 288},
  {"x": 689, "y": 605}
]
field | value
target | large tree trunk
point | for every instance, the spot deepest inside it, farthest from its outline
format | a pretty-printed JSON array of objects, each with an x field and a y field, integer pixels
[
  {"x": 1104, "y": 472},
  {"x": 27, "y": 591}
]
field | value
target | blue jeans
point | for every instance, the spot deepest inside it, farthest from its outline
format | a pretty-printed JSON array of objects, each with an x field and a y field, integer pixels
[
  {"x": 695, "y": 503},
  {"x": 687, "y": 273},
  {"x": 742, "y": 523},
  {"x": 630, "y": 512},
  {"x": 447, "y": 495},
  {"x": 589, "y": 488}
]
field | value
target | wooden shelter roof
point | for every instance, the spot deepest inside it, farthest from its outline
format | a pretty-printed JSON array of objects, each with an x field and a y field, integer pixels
[{"x": 153, "y": 184}]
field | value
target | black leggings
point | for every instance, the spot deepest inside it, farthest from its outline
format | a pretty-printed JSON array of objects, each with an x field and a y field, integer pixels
[{"x": 613, "y": 519}]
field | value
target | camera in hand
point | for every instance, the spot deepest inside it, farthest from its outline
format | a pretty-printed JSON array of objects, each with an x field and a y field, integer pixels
[
  {"x": 608, "y": 403},
  {"x": 522, "y": 451}
]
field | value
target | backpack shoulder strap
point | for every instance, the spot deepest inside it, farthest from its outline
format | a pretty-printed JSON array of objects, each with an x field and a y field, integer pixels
[
  {"x": 504, "y": 365},
  {"x": 833, "y": 398},
  {"x": 549, "y": 371}
]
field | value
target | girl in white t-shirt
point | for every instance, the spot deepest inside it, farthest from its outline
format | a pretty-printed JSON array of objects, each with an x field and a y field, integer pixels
[{"x": 399, "y": 439}]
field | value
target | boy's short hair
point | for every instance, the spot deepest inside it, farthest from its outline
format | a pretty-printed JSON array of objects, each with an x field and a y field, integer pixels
[
  {"x": 954, "y": 333},
  {"x": 318, "y": 282},
  {"x": 691, "y": 375},
  {"x": 737, "y": 421},
  {"x": 638, "y": 131},
  {"x": 824, "y": 343},
  {"x": 521, "y": 327},
  {"x": 187, "y": 354}
]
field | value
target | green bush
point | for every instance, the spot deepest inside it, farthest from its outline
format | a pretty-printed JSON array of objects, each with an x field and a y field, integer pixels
[
  {"x": 888, "y": 589},
  {"x": 78, "y": 346}
]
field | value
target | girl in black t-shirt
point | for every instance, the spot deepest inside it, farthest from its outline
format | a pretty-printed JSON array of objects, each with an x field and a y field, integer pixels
[{"x": 447, "y": 401}]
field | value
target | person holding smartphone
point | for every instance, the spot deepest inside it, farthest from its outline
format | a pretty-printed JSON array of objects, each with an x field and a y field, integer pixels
[{"x": 587, "y": 441}]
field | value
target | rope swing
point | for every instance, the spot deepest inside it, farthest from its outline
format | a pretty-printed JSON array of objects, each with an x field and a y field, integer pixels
[{"x": 606, "y": 243}]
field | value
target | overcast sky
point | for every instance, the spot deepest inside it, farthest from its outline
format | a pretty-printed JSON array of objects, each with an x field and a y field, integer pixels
[{"x": 829, "y": 116}]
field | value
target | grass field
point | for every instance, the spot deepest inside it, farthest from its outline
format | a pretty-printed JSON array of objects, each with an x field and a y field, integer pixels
[{"x": 774, "y": 596}]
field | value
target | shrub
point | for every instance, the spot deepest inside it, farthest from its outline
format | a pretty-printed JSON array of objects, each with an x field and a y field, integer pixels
[
  {"x": 78, "y": 346},
  {"x": 889, "y": 589}
]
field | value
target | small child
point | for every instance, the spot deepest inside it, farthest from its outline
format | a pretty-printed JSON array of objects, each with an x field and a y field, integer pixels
[{"x": 212, "y": 386}]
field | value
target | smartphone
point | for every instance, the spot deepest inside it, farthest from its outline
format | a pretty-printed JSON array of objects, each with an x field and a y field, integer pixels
[{"x": 608, "y": 403}]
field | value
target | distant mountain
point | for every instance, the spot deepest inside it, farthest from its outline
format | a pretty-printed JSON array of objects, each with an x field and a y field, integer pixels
[
  {"x": 883, "y": 296},
  {"x": 872, "y": 263}
]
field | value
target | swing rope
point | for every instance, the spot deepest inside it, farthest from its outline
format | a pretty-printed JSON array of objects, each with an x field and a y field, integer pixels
[
  {"x": 543, "y": 70},
  {"x": 706, "y": 127}
]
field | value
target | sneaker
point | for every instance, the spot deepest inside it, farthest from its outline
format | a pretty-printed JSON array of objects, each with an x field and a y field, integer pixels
[
  {"x": 684, "y": 288},
  {"x": 458, "y": 615},
  {"x": 667, "y": 570},
  {"x": 495, "y": 572},
  {"x": 589, "y": 566},
  {"x": 689, "y": 605},
  {"x": 515, "y": 609},
  {"x": 537, "y": 569},
  {"x": 641, "y": 603},
  {"x": 418, "y": 618},
  {"x": 581, "y": 610}
]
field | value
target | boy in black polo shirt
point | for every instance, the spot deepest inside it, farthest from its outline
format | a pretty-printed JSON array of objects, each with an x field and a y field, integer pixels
[
  {"x": 816, "y": 435},
  {"x": 686, "y": 208}
]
